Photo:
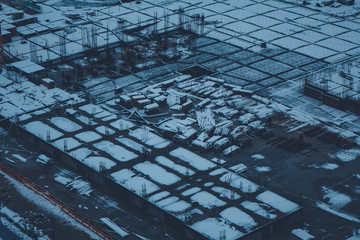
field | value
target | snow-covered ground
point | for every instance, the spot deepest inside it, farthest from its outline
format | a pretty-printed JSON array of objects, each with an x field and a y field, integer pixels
[
  {"x": 348, "y": 155},
  {"x": 191, "y": 191},
  {"x": 19, "y": 96},
  {"x": 15, "y": 218},
  {"x": 176, "y": 167},
  {"x": 302, "y": 234},
  {"x": 277, "y": 202},
  {"x": 157, "y": 173},
  {"x": 263, "y": 169},
  {"x": 137, "y": 184},
  {"x": 207, "y": 200},
  {"x": 116, "y": 151},
  {"x": 19, "y": 158},
  {"x": 115, "y": 227},
  {"x": 212, "y": 228},
  {"x": 42, "y": 130},
  {"x": 149, "y": 138},
  {"x": 239, "y": 182},
  {"x": 49, "y": 207},
  {"x": 81, "y": 153},
  {"x": 99, "y": 163},
  {"x": 336, "y": 199},
  {"x": 65, "y": 124},
  {"x": 105, "y": 130},
  {"x": 88, "y": 136},
  {"x": 239, "y": 218},
  {"x": 122, "y": 124},
  {"x": 71, "y": 143},
  {"x": 193, "y": 159},
  {"x": 231, "y": 195},
  {"x": 338, "y": 213},
  {"x": 177, "y": 207},
  {"x": 258, "y": 209},
  {"x": 258, "y": 157},
  {"x": 132, "y": 144},
  {"x": 327, "y": 166}
]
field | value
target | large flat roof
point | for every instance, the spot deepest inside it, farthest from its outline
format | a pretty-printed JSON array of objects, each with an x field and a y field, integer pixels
[{"x": 27, "y": 66}]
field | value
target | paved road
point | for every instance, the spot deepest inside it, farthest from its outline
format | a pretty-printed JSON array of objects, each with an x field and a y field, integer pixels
[{"x": 5, "y": 233}]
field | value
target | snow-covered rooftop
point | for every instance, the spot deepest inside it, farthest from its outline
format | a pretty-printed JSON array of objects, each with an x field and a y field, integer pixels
[{"x": 145, "y": 162}]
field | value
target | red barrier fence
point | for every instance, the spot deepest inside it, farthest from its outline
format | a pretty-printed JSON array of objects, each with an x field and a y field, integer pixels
[{"x": 45, "y": 194}]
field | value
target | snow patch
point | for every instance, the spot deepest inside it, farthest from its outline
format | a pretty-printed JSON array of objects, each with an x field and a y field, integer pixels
[
  {"x": 149, "y": 138},
  {"x": 302, "y": 234},
  {"x": 336, "y": 199},
  {"x": 258, "y": 157},
  {"x": 329, "y": 209},
  {"x": 176, "y": 207},
  {"x": 211, "y": 227},
  {"x": 258, "y": 209},
  {"x": 191, "y": 191},
  {"x": 116, "y": 151},
  {"x": 263, "y": 169},
  {"x": 122, "y": 175},
  {"x": 65, "y": 124},
  {"x": 231, "y": 195},
  {"x": 49, "y": 207},
  {"x": 99, "y": 163},
  {"x": 114, "y": 227},
  {"x": 176, "y": 167},
  {"x": 132, "y": 144},
  {"x": 327, "y": 166},
  {"x": 239, "y": 182},
  {"x": 81, "y": 153},
  {"x": 348, "y": 155},
  {"x": 239, "y": 218},
  {"x": 138, "y": 183},
  {"x": 193, "y": 159},
  {"x": 277, "y": 202},
  {"x": 20, "y": 158},
  {"x": 207, "y": 200},
  {"x": 70, "y": 143},
  {"x": 157, "y": 173},
  {"x": 88, "y": 136},
  {"x": 42, "y": 130}
]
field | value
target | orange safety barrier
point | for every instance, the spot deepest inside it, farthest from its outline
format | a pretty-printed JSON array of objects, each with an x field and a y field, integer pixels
[{"x": 45, "y": 194}]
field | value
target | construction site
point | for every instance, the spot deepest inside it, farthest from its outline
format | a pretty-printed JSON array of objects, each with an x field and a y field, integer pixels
[{"x": 180, "y": 119}]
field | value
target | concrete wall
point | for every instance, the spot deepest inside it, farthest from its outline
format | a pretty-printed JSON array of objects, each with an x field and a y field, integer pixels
[
  {"x": 142, "y": 205},
  {"x": 271, "y": 230}
]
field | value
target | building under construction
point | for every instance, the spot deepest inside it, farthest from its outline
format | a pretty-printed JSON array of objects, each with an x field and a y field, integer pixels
[
  {"x": 179, "y": 120},
  {"x": 336, "y": 86}
]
